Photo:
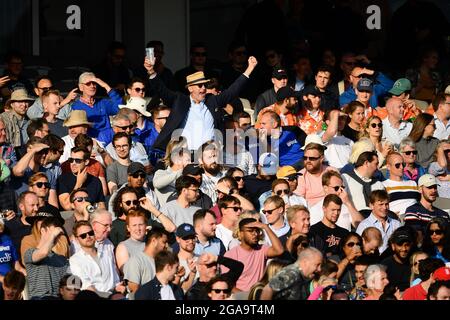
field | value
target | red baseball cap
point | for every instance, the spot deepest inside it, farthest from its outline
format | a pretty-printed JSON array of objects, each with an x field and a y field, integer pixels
[{"x": 443, "y": 274}]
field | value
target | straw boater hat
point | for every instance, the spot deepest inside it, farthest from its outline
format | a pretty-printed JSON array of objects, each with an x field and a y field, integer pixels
[
  {"x": 196, "y": 78},
  {"x": 137, "y": 104},
  {"x": 18, "y": 95},
  {"x": 77, "y": 118}
]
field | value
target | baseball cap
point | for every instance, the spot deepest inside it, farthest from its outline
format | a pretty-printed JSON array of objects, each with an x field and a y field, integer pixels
[
  {"x": 135, "y": 167},
  {"x": 312, "y": 90},
  {"x": 185, "y": 230},
  {"x": 442, "y": 274},
  {"x": 193, "y": 169},
  {"x": 47, "y": 211},
  {"x": 287, "y": 171},
  {"x": 365, "y": 84},
  {"x": 447, "y": 90},
  {"x": 268, "y": 163},
  {"x": 313, "y": 138},
  {"x": 400, "y": 236},
  {"x": 428, "y": 180},
  {"x": 285, "y": 93},
  {"x": 400, "y": 86},
  {"x": 279, "y": 74}
]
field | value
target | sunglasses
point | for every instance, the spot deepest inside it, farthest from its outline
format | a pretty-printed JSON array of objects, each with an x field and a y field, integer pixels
[
  {"x": 408, "y": 153},
  {"x": 126, "y": 127},
  {"x": 139, "y": 90},
  {"x": 238, "y": 178},
  {"x": 213, "y": 264},
  {"x": 270, "y": 211},
  {"x": 292, "y": 178},
  {"x": 311, "y": 158},
  {"x": 84, "y": 235},
  {"x": 280, "y": 192},
  {"x": 139, "y": 175},
  {"x": 336, "y": 188},
  {"x": 352, "y": 244},
  {"x": 235, "y": 209},
  {"x": 42, "y": 184},
  {"x": 398, "y": 165},
  {"x": 374, "y": 125},
  {"x": 437, "y": 232},
  {"x": 45, "y": 89},
  {"x": 129, "y": 202},
  {"x": 90, "y": 83},
  {"x": 77, "y": 161},
  {"x": 226, "y": 291},
  {"x": 125, "y": 146},
  {"x": 81, "y": 199}
]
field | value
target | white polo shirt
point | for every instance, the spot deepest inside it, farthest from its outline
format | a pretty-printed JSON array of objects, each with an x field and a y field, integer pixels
[
  {"x": 442, "y": 131},
  {"x": 394, "y": 135}
]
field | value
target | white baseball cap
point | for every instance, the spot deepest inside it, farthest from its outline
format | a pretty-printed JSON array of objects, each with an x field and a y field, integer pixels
[
  {"x": 268, "y": 163},
  {"x": 428, "y": 180},
  {"x": 138, "y": 104},
  {"x": 313, "y": 138}
]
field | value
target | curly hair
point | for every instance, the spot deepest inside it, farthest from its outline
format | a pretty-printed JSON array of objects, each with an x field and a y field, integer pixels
[{"x": 117, "y": 208}]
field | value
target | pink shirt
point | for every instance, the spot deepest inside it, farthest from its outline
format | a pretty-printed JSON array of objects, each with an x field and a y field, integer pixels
[
  {"x": 254, "y": 264},
  {"x": 310, "y": 186}
]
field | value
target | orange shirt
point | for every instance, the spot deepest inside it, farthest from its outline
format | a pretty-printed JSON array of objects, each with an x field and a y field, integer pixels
[
  {"x": 288, "y": 119},
  {"x": 310, "y": 123}
]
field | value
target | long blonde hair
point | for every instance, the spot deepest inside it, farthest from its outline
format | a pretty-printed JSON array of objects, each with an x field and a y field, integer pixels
[{"x": 365, "y": 133}]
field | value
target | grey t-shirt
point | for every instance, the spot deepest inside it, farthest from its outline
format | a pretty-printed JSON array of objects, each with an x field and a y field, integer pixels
[
  {"x": 133, "y": 246},
  {"x": 140, "y": 268},
  {"x": 117, "y": 173},
  {"x": 179, "y": 215}
]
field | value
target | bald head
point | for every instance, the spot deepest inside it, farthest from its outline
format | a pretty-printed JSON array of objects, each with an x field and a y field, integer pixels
[{"x": 395, "y": 108}]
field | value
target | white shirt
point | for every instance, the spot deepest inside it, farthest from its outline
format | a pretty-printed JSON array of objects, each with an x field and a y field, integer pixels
[
  {"x": 243, "y": 160},
  {"x": 355, "y": 190},
  {"x": 199, "y": 126},
  {"x": 442, "y": 131},
  {"x": 166, "y": 292},
  {"x": 338, "y": 151},
  {"x": 225, "y": 235},
  {"x": 344, "y": 220},
  {"x": 137, "y": 153},
  {"x": 394, "y": 135},
  {"x": 371, "y": 221}
]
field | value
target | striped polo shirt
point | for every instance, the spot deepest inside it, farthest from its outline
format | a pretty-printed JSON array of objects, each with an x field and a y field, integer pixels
[{"x": 402, "y": 194}]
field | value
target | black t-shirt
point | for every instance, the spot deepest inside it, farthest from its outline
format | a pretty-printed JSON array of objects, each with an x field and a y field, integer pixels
[
  {"x": 256, "y": 187},
  {"x": 17, "y": 231},
  {"x": 350, "y": 133},
  {"x": 398, "y": 274},
  {"x": 331, "y": 237},
  {"x": 67, "y": 181}
]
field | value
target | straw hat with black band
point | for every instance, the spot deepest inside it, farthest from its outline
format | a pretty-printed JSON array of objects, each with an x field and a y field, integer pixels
[{"x": 196, "y": 78}]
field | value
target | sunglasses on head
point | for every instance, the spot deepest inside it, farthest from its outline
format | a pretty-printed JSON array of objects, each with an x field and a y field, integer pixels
[
  {"x": 280, "y": 192},
  {"x": 374, "y": 125},
  {"x": 226, "y": 291},
  {"x": 129, "y": 202},
  {"x": 141, "y": 175},
  {"x": 311, "y": 158},
  {"x": 408, "y": 153},
  {"x": 269, "y": 211},
  {"x": 437, "y": 232},
  {"x": 77, "y": 161},
  {"x": 238, "y": 178},
  {"x": 398, "y": 165},
  {"x": 84, "y": 235},
  {"x": 42, "y": 184},
  {"x": 139, "y": 90},
  {"x": 81, "y": 199},
  {"x": 352, "y": 244}
]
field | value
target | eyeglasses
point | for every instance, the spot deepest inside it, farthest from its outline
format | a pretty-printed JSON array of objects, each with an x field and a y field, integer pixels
[
  {"x": 81, "y": 199},
  {"x": 77, "y": 161},
  {"x": 270, "y": 211},
  {"x": 199, "y": 54},
  {"x": 84, "y": 235},
  {"x": 139, "y": 175},
  {"x": 311, "y": 158},
  {"x": 139, "y": 90},
  {"x": 235, "y": 209},
  {"x": 437, "y": 232},
  {"x": 129, "y": 202},
  {"x": 126, "y": 127},
  {"x": 252, "y": 230},
  {"x": 398, "y": 165},
  {"x": 336, "y": 188},
  {"x": 104, "y": 224},
  {"x": 195, "y": 190},
  {"x": 352, "y": 244},
  {"x": 374, "y": 125},
  {"x": 124, "y": 146},
  {"x": 42, "y": 184},
  {"x": 90, "y": 83},
  {"x": 408, "y": 153},
  {"x": 45, "y": 89},
  {"x": 238, "y": 178},
  {"x": 280, "y": 192},
  {"x": 226, "y": 291}
]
